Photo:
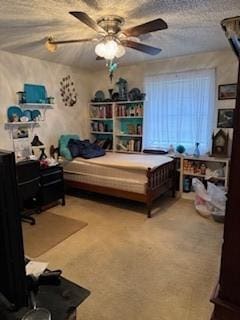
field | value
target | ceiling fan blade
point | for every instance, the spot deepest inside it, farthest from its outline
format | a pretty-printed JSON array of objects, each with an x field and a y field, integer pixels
[
  {"x": 147, "y": 27},
  {"x": 99, "y": 58},
  {"x": 52, "y": 44},
  {"x": 83, "y": 17},
  {"x": 69, "y": 41},
  {"x": 141, "y": 47}
]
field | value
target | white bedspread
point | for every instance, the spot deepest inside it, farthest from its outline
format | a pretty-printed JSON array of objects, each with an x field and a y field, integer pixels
[
  {"x": 124, "y": 160},
  {"x": 114, "y": 170}
]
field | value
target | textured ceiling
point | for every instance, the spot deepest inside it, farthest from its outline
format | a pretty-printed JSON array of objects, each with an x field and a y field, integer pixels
[{"x": 194, "y": 26}]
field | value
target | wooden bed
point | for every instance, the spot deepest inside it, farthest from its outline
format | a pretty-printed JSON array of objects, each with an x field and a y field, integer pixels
[{"x": 160, "y": 180}]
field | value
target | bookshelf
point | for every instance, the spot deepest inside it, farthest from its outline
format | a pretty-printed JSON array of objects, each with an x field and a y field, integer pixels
[{"x": 117, "y": 126}]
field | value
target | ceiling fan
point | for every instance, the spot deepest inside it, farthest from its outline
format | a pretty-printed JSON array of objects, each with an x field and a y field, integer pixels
[{"x": 112, "y": 40}]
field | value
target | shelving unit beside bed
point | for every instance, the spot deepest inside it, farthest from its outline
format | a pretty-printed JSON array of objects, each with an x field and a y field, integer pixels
[
  {"x": 117, "y": 126},
  {"x": 101, "y": 124},
  {"x": 128, "y": 116}
]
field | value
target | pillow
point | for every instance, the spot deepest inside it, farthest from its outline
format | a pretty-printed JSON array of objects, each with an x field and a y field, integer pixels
[{"x": 63, "y": 145}]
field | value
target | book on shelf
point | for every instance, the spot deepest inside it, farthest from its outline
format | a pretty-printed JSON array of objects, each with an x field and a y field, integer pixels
[
  {"x": 106, "y": 144},
  {"x": 122, "y": 147},
  {"x": 137, "y": 145},
  {"x": 135, "y": 110},
  {"x": 103, "y": 112}
]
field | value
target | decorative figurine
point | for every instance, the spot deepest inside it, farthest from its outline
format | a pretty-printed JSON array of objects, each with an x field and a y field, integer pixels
[
  {"x": 21, "y": 97},
  {"x": 180, "y": 149},
  {"x": 112, "y": 66},
  {"x": 171, "y": 149},
  {"x": 220, "y": 144},
  {"x": 122, "y": 89},
  {"x": 196, "y": 152}
]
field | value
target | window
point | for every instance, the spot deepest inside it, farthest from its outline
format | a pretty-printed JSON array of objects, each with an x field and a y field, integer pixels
[{"x": 179, "y": 110}]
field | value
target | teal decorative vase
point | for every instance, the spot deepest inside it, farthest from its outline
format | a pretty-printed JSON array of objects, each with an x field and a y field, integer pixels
[{"x": 196, "y": 152}]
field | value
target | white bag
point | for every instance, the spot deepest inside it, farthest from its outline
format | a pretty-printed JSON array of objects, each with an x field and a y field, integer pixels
[
  {"x": 211, "y": 201},
  {"x": 201, "y": 198},
  {"x": 218, "y": 198}
]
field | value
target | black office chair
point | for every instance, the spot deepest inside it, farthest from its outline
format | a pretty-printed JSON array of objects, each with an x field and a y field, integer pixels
[{"x": 28, "y": 180}]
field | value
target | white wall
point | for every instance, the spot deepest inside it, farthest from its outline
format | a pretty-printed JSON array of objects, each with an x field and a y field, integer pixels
[
  {"x": 224, "y": 62},
  {"x": 15, "y": 70}
]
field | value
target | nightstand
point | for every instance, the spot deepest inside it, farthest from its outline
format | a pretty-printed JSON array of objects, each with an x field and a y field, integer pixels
[{"x": 52, "y": 185}]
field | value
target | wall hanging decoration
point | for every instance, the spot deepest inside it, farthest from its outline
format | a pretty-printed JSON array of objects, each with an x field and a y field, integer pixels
[
  {"x": 68, "y": 91},
  {"x": 227, "y": 91},
  {"x": 225, "y": 118}
]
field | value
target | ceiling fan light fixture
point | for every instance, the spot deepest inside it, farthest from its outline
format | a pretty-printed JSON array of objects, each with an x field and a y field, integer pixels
[
  {"x": 100, "y": 49},
  {"x": 120, "y": 51},
  {"x": 109, "y": 49}
]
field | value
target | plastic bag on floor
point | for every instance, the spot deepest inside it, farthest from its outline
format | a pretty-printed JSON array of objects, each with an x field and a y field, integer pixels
[
  {"x": 201, "y": 198},
  {"x": 217, "y": 204},
  {"x": 211, "y": 201}
]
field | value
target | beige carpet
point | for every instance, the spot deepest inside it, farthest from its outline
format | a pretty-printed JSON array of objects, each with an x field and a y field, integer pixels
[
  {"x": 49, "y": 230},
  {"x": 162, "y": 268}
]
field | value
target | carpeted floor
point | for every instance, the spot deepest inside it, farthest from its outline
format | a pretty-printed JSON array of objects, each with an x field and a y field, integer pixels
[{"x": 162, "y": 268}]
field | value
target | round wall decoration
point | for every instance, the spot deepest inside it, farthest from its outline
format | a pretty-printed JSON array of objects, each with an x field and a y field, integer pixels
[{"x": 68, "y": 91}]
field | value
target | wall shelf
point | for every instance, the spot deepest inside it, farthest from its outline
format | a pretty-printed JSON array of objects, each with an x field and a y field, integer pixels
[
  {"x": 130, "y": 117},
  {"x": 185, "y": 173},
  {"x": 100, "y": 132},
  {"x": 100, "y": 103},
  {"x": 130, "y": 102},
  {"x": 21, "y": 123},
  {"x": 128, "y": 135},
  {"x": 101, "y": 119},
  {"x": 36, "y": 105}
]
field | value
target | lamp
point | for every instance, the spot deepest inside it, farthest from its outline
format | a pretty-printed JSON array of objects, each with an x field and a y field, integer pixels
[{"x": 109, "y": 48}]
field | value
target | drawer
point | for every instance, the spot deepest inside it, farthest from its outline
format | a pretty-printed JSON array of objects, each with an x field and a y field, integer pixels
[
  {"x": 51, "y": 176},
  {"x": 51, "y": 192}
]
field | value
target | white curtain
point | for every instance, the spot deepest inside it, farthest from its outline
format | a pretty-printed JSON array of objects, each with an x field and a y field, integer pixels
[{"x": 179, "y": 109}]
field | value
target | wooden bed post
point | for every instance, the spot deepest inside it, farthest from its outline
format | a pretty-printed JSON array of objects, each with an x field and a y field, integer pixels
[
  {"x": 149, "y": 209},
  {"x": 149, "y": 187},
  {"x": 174, "y": 178}
]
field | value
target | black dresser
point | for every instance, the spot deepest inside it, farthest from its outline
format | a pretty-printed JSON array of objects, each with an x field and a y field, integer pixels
[{"x": 51, "y": 185}]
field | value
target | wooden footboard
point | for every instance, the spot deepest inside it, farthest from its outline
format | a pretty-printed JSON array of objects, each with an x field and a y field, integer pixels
[{"x": 160, "y": 180}]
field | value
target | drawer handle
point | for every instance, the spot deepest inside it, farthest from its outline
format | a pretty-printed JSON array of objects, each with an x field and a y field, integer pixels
[
  {"x": 52, "y": 182},
  {"x": 51, "y": 173}
]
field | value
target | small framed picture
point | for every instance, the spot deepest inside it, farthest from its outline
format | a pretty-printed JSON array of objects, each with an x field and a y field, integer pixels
[
  {"x": 225, "y": 118},
  {"x": 22, "y": 149},
  {"x": 227, "y": 91}
]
